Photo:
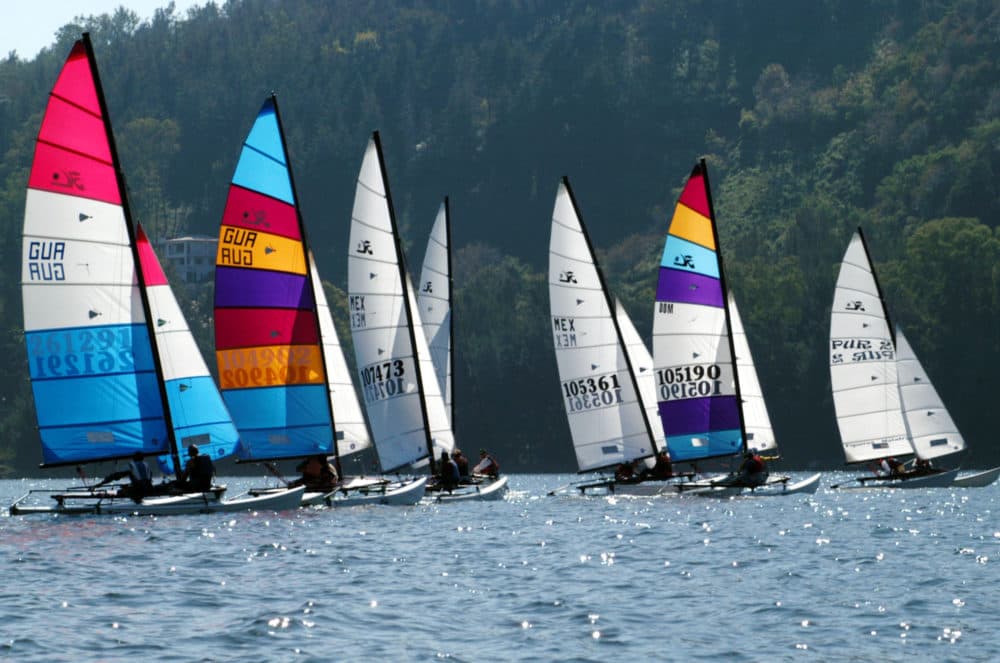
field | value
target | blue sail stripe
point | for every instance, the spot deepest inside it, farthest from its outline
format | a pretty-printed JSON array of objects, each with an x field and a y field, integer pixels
[
  {"x": 72, "y": 443},
  {"x": 687, "y": 256},
  {"x": 93, "y": 351},
  {"x": 284, "y": 413},
  {"x": 714, "y": 443},
  {"x": 286, "y": 441},
  {"x": 97, "y": 398},
  {"x": 264, "y": 135},
  {"x": 258, "y": 173}
]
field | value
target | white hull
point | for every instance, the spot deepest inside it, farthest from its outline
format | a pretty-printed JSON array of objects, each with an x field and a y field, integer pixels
[
  {"x": 190, "y": 503},
  {"x": 775, "y": 486},
  {"x": 484, "y": 492},
  {"x": 399, "y": 493},
  {"x": 977, "y": 479},
  {"x": 939, "y": 480}
]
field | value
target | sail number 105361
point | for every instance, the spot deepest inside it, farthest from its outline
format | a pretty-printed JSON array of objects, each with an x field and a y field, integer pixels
[
  {"x": 695, "y": 381},
  {"x": 591, "y": 393}
]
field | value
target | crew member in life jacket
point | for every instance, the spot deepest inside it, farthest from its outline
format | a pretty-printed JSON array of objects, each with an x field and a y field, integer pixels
[
  {"x": 487, "y": 465},
  {"x": 140, "y": 478},
  {"x": 317, "y": 475},
  {"x": 663, "y": 468},
  {"x": 753, "y": 471},
  {"x": 198, "y": 472}
]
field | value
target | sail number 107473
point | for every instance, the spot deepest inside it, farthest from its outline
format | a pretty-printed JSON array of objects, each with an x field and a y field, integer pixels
[{"x": 694, "y": 381}]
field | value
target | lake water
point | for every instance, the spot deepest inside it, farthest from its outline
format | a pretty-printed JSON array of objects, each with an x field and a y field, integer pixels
[{"x": 877, "y": 575}]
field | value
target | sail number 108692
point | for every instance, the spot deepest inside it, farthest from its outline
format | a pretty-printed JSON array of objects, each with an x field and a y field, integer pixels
[{"x": 689, "y": 381}]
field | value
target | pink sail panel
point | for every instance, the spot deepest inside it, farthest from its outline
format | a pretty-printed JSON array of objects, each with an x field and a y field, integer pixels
[{"x": 150, "y": 264}]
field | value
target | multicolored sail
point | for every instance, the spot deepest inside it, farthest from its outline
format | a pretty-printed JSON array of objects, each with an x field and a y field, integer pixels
[
  {"x": 696, "y": 381},
  {"x": 401, "y": 394},
  {"x": 93, "y": 370},
  {"x": 598, "y": 384},
  {"x": 352, "y": 432},
  {"x": 197, "y": 413},
  {"x": 434, "y": 301},
  {"x": 267, "y": 339},
  {"x": 931, "y": 429},
  {"x": 863, "y": 368}
]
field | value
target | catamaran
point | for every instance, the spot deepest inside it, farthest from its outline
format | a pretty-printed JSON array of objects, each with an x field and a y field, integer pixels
[
  {"x": 114, "y": 368},
  {"x": 886, "y": 406},
  {"x": 402, "y": 395},
  {"x": 281, "y": 368},
  {"x": 700, "y": 360}
]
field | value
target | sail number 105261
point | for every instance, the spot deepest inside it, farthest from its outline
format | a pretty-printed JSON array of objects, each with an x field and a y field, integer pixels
[{"x": 695, "y": 381}]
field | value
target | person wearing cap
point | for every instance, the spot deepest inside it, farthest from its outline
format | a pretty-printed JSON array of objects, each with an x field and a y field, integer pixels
[
  {"x": 198, "y": 472},
  {"x": 487, "y": 465}
]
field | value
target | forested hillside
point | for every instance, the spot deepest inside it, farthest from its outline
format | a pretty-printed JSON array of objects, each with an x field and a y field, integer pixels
[{"x": 814, "y": 117}]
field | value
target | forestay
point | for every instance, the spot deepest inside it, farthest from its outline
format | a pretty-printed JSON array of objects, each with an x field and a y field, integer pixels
[
  {"x": 696, "y": 381},
  {"x": 756, "y": 422},
  {"x": 401, "y": 395},
  {"x": 930, "y": 427},
  {"x": 434, "y": 301},
  {"x": 267, "y": 341},
  {"x": 606, "y": 419},
  {"x": 352, "y": 432},
  {"x": 93, "y": 371}
]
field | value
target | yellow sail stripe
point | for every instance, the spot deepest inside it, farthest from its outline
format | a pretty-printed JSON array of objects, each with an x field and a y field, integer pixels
[
  {"x": 270, "y": 366},
  {"x": 240, "y": 247},
  {"x": 692, "y": 226}
]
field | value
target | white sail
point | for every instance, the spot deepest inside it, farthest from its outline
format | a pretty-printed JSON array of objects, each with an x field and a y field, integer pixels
[
  {"x": 351, "y": 433},
  {"x": 642, "y": 366},
  {"x": 606, "y": 419},
  {"x": 434, "y": 301},
  {"x": 863, "y": 370},
  {"x": 931, "y": 428},
  {"x": 403, "y": 418},
  {"x": 757, "y": 423}
]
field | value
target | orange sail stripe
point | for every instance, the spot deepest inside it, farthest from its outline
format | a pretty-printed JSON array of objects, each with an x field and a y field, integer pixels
[
  {"x": 252, "y": 249},
  {"x": 692, "y": 226},
  {"x": 270, "y": 366}
]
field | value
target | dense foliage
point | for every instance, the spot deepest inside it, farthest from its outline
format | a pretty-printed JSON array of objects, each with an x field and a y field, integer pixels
[{"x": 815, "y": 117}]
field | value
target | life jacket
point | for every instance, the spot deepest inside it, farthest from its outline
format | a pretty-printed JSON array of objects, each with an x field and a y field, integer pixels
[
  {"x": 139, "y": 473},
  {"x": 756, "y": 465}
]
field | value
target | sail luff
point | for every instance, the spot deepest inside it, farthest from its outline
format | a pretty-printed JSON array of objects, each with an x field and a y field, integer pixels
[{"x": 449, "y": 391}]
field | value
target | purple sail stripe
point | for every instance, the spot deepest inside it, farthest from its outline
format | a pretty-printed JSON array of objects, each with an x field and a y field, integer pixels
[
  {"x": 250, "y": 288},
  {"x": 700, "y": 415},
  {"x": 675, "y": 285}
]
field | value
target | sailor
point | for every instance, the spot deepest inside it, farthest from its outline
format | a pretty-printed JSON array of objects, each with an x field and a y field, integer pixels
[
  {"x": 449, "y": 476},
  {"x": 487, "y": 465},
  {"x": 462, "y": 462},
  {"x": 317, "y": 474},
  {"x": 198, "y": 473},
  {"x": 139, "y": 474},
  {"x": 662, "y": 469},
  {"x": 753, "y": 471}
]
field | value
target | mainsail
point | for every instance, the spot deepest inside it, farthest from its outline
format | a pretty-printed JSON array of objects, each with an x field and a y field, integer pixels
[
  {"x": 696, "y": 379},
  {"x": 267, "y": 335},
  {"x": 931, "y": 429},
  {"x": 197, "y": 413},
  {"x": 434, "y": 301},
  {"x": 757, "y": 423},
  {"x": 93, "y": 370},
  {"x": 401, "y": 394},
  {"x": 598, "y": 386},
  {"x": 863, "y": 368},
  {"x": 352, "y": 433}
]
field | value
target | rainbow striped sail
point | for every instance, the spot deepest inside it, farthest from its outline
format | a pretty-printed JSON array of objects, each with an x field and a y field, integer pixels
[
  {"x": 697, "y": 388},
  {"x": 197, "y": 413},
  {"x": 267, "y": 340},
  {"x": 92, "y": 366}
]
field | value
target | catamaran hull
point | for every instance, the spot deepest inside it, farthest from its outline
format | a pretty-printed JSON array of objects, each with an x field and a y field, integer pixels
[
  {"x": 775, "y": 486},
  {"x": 484, "y": 492},
  {"x": 190, "y": 503},
  {"x": 404, "y": 493},
  {"x": 938, "y": 480},
  {"x": 977, "y": 479}
]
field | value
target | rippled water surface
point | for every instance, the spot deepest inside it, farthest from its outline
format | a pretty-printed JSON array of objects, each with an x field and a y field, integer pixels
[{"x": 877, "y": 575}]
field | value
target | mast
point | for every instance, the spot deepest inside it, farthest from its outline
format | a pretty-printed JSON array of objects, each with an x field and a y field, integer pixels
[
  {"x": 614, "y": 317},
  {"x": 140, "y": 277},
  {"x": 450, "y": 387},
  {"x": 400, "y": 263},
  {"x": 725, "y": 302},
  {"x": 305, "y": 245},
  {"x": 878, "y": 288}
]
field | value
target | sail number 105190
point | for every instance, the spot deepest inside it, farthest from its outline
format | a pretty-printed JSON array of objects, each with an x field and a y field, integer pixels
[{"x": 695, "y": 381}]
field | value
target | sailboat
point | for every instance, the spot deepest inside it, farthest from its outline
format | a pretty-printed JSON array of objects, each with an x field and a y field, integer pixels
[
  {"x": 697, "y": 362},
  {"x": 434, "y": 302},
  {"x": 275, "y": 341},
  {"x": 114, "y": 368},
  {"x": 406, "y": 409},
  {"x": 886, "y": 405},
  {"x": 605, "y": 370}
]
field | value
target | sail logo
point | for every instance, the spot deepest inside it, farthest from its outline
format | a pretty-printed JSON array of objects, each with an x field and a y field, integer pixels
[
  {"x": 428, "y": 288},
  {"x": 69, "y": 179},
  {"x": 856, "y": 305},
  {"x": 236, "y": 247},
  {"x": 567, "y": 276},
  {"x": 256, "y": 218},
  {"x": 564, "y": 330},
  {"x": 665, "y": 307},
  {"x": 364, "y": 247},
  {"x": 45, "y": 261},
  {"x": 684, "y": 261},
  {"x": 356, "y": 311}
]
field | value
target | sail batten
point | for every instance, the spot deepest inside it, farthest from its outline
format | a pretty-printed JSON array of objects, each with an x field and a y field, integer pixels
[{"x": 696, "y": 376}]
